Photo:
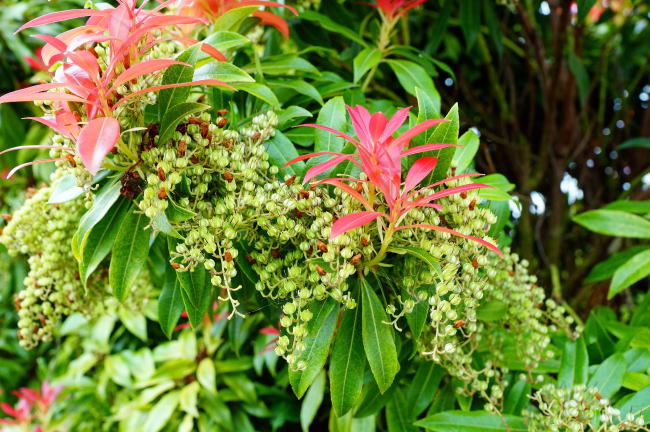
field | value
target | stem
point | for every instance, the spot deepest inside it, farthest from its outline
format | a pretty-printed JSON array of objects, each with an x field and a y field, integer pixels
[
  {"x": 384, "y": 247},
  {"x": 382, "y": 45}
]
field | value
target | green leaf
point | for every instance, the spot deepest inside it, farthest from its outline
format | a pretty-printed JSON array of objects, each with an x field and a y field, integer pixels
[
  {"x": 470, "y": 20},
  {"x": 176, "y": 213},
  {"x": 260, "y": 91},
  {"x": 492, "y": 22},
  {"x": 639, "y": 403},
  {"x": 177, "y": 74},
  {"x": 225, "y": 40},
  {"x": 299, "y": 86},
  {"x": 367, "y": 59},
  {"x": 640, "y": 207},
  {"x": 206, "y": 375},
  {"x": 420, "y": 254},
  {"x": 284, "y": 65},
  {"x": 66, "y": 189},
  {"x": 632, "y": 271},
  {"x": 492, "y": 310},
  {"x": 347, "y": 365},
  {"x": 398, "y": 418},
  {"x": 328, "y": 24},
  {"x": 174, "y": 115},
  {"x": 411, "y": 76},
  {"x": 312, "y": 401},
  {"x": 100, "y": 239},
  {"x": 135, "y": 322},
  {"x": 378, "y": 338},
  {"x": 281, "y": 151},
  {"x": 332, "y": 115},
  {"x": 614, "y": 223},
  {"x": 574, "y": 365},
  {"x": 605, "y": 269},
  {"x": 196, "y": 293},
  {"x": 608, "y": 377},
  {"x": 634, "y": 143},
  {"x": 130, "y": 253},
  {"x": 104, "y": 200},
  {"x": 446, "y": 133},
  {"x": 517, "y": 397},
  {"x": 160, "y": 223},
  {"x": 423, "y": 387},
  {"x": 463, "y": 156},
  {"x": 580, "y": 74},
  {"x": 584, "y": 6},
  {"x": 372, "y": 400},
  {"x": 288, "y": 116},
  {"x": 635, "y": 381},
  {"x": 170, "y": 303},
  {"x": 223, "y": 71},
  {"x": 160, "y": 414},
  {"x": 231, "y": 20},
  {"x": 320, "y": 331},
  {"x": 472, "y": 421}
]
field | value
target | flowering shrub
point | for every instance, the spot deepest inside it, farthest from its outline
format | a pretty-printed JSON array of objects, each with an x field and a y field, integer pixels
[{"x": 194, "y": 227}]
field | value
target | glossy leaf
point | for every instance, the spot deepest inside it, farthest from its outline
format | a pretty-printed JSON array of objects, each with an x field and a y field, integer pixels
[
  {"x": 464, "y": 155},
  {"x": 614, "y": 223},
  {"x": 347, "y": 365},
  {"x": 332, "y": 115},
  {"x": 574, "y": 364},
  {"x": 367, "y": 59},
  {"x": 96, "y": 140},
  {"x": 130, "y": 253},
  {"x": 447, "y": 133},
  {"x": 174, "y": 115},
  {"x": 472, "y": 421},
  {"x": 411, "y": 76},
  {"x": 281, "y": 151},
  {"x": 196, "y": 293},
  {"x": 170, "y": 303},
  {"x": 420, "y": 254},
  {"x": 104, "y": 200},
  {"x": 608, "y": 377},
  {"x": 423, "y": 387},
  {"x": 312, "y": 401},
  {"x": 398, "y": 418},
  {"x": 352, "y": 221},
  {"x": 630, "y": 272},
  {"x": 605, "y": 269},
  {"x": 378, "y": 341}
]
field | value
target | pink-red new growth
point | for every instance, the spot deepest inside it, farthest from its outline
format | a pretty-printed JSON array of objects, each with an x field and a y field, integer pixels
[
  {"x": 379, "y": 156},
  {"x": 393, "y": 9},
  {"x": 213, "y": 9},
  {"x": 129, "y": 31},
  {"x": 31, "y": 405}
]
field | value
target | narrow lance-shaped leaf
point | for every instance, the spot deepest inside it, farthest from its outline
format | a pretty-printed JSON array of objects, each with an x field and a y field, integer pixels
[
  {"x": 352, "y": 221},
  {"x": 170, "y": 303},
  {"x": 96, "y": 140}
]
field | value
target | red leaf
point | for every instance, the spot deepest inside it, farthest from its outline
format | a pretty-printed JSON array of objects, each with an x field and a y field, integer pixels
[
  {"x": 26, "y": 164},
  {"x": 96, "y": 140},
  {"x": 334, "y": 131},
  {"x": 404, "y": 139},
  {"x": 308, "y": 156},
  {"x": 26, "y": 94},
  {"x": 452, "y": 191},
  {"x": 213, "y": 52},
  {"x": 347, "y": 188},
  {"x": 456, "y": 233},
  {"x": 352, "y": 221},
  {"x": 144, "y": 68},
  {"x": 265, "y": 3},
  {"x": 268, "y": 18},
  {"x": 61, "y": 16},
  {"x": 420, "y": 169},
  {"x": 322, "y": 167},
  {"x": 426, "y": 148}
]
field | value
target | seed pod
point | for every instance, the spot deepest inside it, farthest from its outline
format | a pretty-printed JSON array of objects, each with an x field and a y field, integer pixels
[
  {"x": 460, "y": 323},
  {"x": 475, "y": 263},
  {"x": 364, "y": 241},
  {"x": 250, "y": 259},
  {"x": 598, "y": 396},
  {"x": 321, "y": 246},
  {"x": 320, "y": 270},
  {"x": 443, "y": 220},
  {"x": 290, "y": 180},
  {"x": 453, "y": 171},
  {"x": 304, "y": 194},
  {"x": 17, "y": 302},
  {"x": 227, "y": 256},
  {"x": 275, "y": 253},
  {"x": 162, "y": 193},
  {"x": 298, "y": 213},
  {"x": 194, "y": 120},
  {"x": 228, "y": 176},
  {"x": 76, "y": 275},
  {"x": 182, "y": 148},
  {"x": 463, "y": 195},
  {"x": 194, "y": 159},
  {"x": 161, "y": 174},
  {"x": 71, "y": 160},
  {"x": 359, "y": 187},
  {"x": 222, "y": 122},
  {"x": 355, "y": 259},
  {"x": 472, "y": 204},
  {"x": 204, "y": 129},
  {"x": 6, "y": 216},
  {"x": 222, "y": 112},
  {"x": 257, "y": 136},
  {"x": 201, "y": 99},
  {"x": 228, "y": 143},
  {"x": 176, "y": 266}
]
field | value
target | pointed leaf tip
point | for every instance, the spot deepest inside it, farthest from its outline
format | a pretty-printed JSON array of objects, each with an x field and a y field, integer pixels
[{"x": 96, "y": 140}]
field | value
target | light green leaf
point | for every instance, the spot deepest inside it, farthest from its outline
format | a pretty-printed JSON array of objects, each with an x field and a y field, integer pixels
[
  {"x": 161, "y": 412},
  {"x": 608, "y": 377},
  {"x": 320, "y": 331},
  {"x": 635, "y": 381},
  {"x": 170, "y": 303},
  {"x": 332, "y": 115},
  {"x": 420, "y": 254},
  {"x": 378, "y": 338},
  {"x": 206, "y": 375},
  {"x": 411, "y": 76},
  {"x": 640, "y": 207},
  {"x": 299, "y": 86},
  {"x": 637, "y": 404},
  {"x": 174, "y": 115},
  {"x": 232, "y": 19},
  {"x": 614, "y": 223},
  {"x": 473, "y": 421},
  {"x": 130, "y": 253},
  {"x": 492, "y": 310},
  {"x": 632, "y": 271},
  {"x": 260, "y": 91},
  {"x": 134, "y": 321},
  {"x": 574, "y": 365},
  {"x": 284, "y": 65},
  {"x": 177, "y": 74},
  {"x": 288, "y": 116},
  {"x": 225, "y": 40},
  {"x": 223, "y": 71},
  {"x": 347, "y": 365},
  {"x": 66, "y": 189},
  {"x": 367, "y": 59},
  {"x": 463, "y": 156},
  {"x": 605, "y": 269},
  {"x": 446, "y": 133},
  {"x": 312, "y": 401},
  {"x": 328, "y": 24}
]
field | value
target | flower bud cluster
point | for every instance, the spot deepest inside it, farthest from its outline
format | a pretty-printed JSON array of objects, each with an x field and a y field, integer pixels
[{"x": 578, "y": 409}]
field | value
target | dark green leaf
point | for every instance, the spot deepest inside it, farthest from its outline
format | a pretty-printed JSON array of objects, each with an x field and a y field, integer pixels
[
  {"x": 470, "y": 20},
  {"x": 608, "y": 377},
  {"x": 584, "y": 6},
  {"x": 447, "y": 133},
  {"x": 130, "y": 253},
  {"x": 196, "y": 293},
  {"x": 378, "y": 338},
  {"x": 517, "y": 397},
  {"x": 398, "y": 418},
  {"x": 420, "y": 254},
  {"x": 177, "y": 74},
  {"x": 312, "y": 401},
  {"x": 260, "y": 91},
  {"x": 66, "y": 189},
  {"x": 331, "y": 115},
  {"x": 411, "y": 76},
  {"x": 174, "y": 115},
  {"x": 635, "y": 142},
  {"x": 605, "y": 270},
  {"x": 104, "y": 200},
  {"x": 281, "y": 151},
  {"x": 170, "y": 303},
  {"x": 473, "y": 421},
  {"x": 328, "y": 24},
  {"x": 580, "y": 74},
  {"x": 423, "y": 387},
  {"x": 574, "y": 365}
]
